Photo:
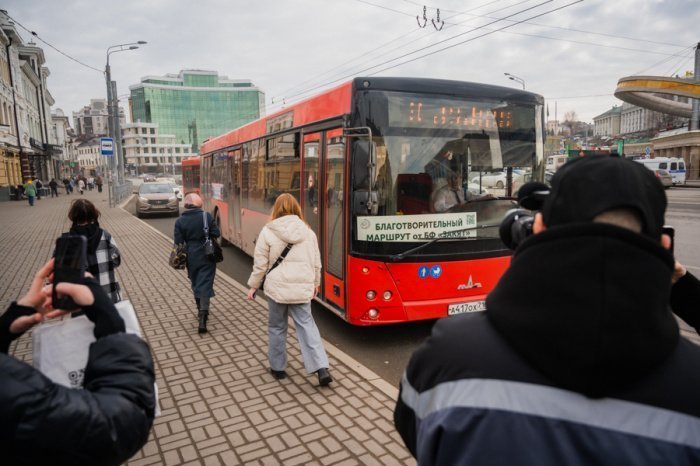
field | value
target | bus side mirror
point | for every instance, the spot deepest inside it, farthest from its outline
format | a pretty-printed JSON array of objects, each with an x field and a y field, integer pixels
[
  {"x": 361, "y": 157},
  {"x": 365, "y": 203}
]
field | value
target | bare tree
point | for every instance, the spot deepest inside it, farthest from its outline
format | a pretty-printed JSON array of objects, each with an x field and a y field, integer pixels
[{"x": 570, "y": 119}]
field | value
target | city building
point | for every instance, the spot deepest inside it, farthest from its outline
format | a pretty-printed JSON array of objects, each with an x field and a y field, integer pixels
[
  {"x": 93, "y": 120},
  {"x": 90, "y": 161},
  {"x": 147, "y": 150},
  {"x": 62, "y": 134},
  {"x": 10, "y": 169},
  {"x": 195, "y": 105},
  {"x": 25, "y": 101},
  {"x": 608, "y": 123}
]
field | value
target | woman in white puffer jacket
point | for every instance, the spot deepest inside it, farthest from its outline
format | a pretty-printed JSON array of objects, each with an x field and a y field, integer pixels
[{"x": 290, "y": 287}]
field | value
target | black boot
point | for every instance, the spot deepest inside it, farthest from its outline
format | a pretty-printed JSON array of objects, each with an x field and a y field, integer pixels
[{"x": 203, "y": 315}]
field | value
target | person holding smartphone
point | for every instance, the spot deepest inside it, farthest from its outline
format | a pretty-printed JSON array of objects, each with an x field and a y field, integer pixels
[{"x": 104, "y": 423}]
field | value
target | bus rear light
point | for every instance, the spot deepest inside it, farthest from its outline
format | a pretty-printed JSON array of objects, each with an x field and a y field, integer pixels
[
  {"x": 371, "y": 294},
  {"x": 365, "y": 270},
  {"x": 373, "y": 314},
  {"x": 387, "y": 295}
]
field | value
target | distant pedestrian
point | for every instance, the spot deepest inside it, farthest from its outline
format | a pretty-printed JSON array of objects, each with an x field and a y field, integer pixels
[
  {"x": 81, "y": 185},
  {"x": 189, "y": 230},
  {"x": 54, "y": 187},
  {"x": 102, "y": 252},
  {"x": 30, "y": 192},
  {"x": 290, "y": 286},
  {"x": 66, "y": 184},
  {"x": 98, "y": 182},
  {"x": 39, "y": 185}
]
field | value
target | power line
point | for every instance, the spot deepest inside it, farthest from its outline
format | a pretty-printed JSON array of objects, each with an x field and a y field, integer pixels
[
  {"x": 57, "y": 50},
  {"x": 305, "y": 91},
  {"x": 370, "y": 52},
  {"x": 482, "y": 35}
]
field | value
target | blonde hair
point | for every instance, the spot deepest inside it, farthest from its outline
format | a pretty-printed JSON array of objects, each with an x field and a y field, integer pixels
[{"x": 285, "y": 204}]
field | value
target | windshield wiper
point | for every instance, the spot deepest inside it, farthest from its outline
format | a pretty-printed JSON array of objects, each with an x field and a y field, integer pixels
[{"x": 443, "y": 236}]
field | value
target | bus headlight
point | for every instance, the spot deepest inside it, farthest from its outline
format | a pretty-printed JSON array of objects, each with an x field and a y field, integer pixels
[
  {"x": 387, "y": 295},
  {"x": 373, "y": 313},
  {"x": 371, "y": 294}
]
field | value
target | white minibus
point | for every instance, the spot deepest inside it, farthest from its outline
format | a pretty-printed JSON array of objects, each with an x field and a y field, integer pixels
[{"x": 675, "y": 166}]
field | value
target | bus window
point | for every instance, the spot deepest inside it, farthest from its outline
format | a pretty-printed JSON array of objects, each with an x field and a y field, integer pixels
[
  {"x": 335, "y": 171},
  {"x": 256, "y": 176},
  {"x": 282, "y": 168},
  {"x": 311, "y": 186}
]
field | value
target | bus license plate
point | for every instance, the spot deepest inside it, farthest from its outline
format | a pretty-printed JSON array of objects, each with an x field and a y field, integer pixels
[{"x": 461, "y": 308}]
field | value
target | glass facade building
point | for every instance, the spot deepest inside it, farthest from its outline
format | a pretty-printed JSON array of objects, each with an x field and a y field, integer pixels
[{"x": 195, "y": 105}]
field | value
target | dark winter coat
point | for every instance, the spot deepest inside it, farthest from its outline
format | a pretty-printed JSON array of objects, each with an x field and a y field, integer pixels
[
  {"x": 576, "y": 361},
  {"x": 189, "y": 229},
  {"x": 105, "y": 423}
]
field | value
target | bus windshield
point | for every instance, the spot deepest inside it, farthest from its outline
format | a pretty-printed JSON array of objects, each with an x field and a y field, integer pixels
[{"x": 444, "y": 165}]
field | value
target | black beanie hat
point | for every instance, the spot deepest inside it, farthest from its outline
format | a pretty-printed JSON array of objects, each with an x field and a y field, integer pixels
[{"x": 590, "y": 185}]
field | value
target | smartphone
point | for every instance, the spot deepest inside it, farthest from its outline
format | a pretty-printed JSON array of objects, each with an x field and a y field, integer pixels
[
  {"x": 69, "y": 266},
  {"x": 670, "y": 231}
]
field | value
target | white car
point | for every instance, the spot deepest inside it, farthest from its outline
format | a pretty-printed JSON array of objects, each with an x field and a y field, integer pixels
[{"x": 495, "y": 179}]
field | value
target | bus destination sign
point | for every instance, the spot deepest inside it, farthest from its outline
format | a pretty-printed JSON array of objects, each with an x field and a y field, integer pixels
[{"x": 451, "y": 114}]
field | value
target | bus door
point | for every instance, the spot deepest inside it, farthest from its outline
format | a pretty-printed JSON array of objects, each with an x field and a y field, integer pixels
[
  {"x": 333, "y": 231},
  {"x": 234, "y": 198}
]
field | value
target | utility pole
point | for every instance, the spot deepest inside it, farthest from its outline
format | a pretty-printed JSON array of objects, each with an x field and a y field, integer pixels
[{"x": 695, "y": 118}]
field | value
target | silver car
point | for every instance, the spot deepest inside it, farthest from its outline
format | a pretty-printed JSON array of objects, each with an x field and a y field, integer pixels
[
  {"x": 156, "y": 198},
  {"x": 665, "y": 177}
]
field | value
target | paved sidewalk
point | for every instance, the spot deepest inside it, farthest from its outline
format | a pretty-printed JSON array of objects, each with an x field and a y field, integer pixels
[{"x": 219, "y": 404}]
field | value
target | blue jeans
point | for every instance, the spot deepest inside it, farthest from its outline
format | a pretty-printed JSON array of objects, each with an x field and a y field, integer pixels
[
  {"x": 312, "y": 350},
  {"x": 31, "y": 200}
]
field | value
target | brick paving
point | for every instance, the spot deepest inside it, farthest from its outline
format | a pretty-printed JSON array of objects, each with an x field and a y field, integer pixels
[{"x": 219, "y": 404}]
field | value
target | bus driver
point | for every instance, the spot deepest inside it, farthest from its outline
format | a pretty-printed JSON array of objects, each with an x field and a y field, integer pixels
[{"x": 453, "y": 193}]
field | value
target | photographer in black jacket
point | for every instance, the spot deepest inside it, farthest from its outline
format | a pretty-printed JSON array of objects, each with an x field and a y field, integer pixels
[
  {"x": 577, "y": 359},
  {"x": 105, "y": 423}
]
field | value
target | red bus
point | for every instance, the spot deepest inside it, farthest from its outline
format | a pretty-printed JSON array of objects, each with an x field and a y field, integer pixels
[
  {"x": 190, "y": 175},
  {"x": 367, "y": 161}
]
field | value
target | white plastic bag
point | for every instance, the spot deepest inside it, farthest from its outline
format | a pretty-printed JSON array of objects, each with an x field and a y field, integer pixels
[{"x": 60, "y": 349}]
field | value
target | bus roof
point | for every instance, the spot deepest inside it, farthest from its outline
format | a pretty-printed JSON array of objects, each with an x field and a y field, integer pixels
[{"x": 336, "y": 102}]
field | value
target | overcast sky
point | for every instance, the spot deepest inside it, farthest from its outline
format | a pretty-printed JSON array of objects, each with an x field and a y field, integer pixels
[{"x": 573, "y": 56}]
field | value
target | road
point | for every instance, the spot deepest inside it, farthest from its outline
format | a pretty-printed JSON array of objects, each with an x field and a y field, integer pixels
[{"x": 386, "y": 349}]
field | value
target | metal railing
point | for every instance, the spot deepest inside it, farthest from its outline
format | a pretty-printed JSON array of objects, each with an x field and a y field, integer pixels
[{"x": 121, "y": 192}]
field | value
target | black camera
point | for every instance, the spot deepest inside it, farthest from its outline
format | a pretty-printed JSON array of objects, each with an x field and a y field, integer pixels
[
  {"x": 517, "y": 223},
  {"x": 515, "y": 227}
]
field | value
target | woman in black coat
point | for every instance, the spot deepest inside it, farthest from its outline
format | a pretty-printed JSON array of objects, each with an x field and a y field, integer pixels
[
  {"x": 189, "y": 229},
  {"x": 104, "y": 423}
]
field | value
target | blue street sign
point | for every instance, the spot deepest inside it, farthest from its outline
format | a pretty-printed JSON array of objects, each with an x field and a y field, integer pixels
[
  {"x": 106, "y": 146},
  {"x": 435, "y": 271},
  {"x": 423, "y": 271}
]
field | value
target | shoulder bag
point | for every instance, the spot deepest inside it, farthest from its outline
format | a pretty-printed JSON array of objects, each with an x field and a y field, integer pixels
[
  {"x": 212, "y": 249},
  {"x": 277, "y": 262},
  {"x": 178, "y": 256}
]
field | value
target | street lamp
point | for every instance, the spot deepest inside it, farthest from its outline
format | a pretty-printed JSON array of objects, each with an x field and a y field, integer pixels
[
  {"x": 512, "y": 77},
  {"x": 113, "y": 124}
]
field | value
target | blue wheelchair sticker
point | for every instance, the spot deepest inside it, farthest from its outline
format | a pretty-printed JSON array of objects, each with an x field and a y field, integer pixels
[
  {"x": 423, "y": 271},
  {"x": 435, "y": 271}
]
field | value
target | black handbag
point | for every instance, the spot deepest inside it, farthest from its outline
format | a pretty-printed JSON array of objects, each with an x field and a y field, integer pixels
[
  {"x": 178, "y": 256},
  {"x": 277, "y": 262},
  {"x": 212, "y": 249}
]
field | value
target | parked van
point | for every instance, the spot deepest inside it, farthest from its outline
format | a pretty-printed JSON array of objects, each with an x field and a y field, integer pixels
[
  {"x": 675, "y": 166},
  {"x": 554, "y": 162}
]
